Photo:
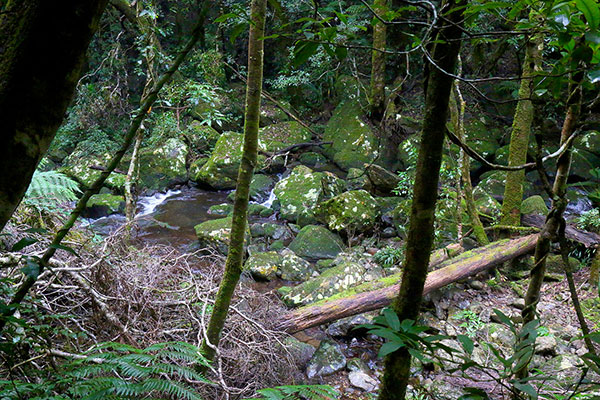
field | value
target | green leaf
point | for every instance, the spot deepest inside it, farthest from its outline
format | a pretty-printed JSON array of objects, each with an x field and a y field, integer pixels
[
  {"x": 466, "y": 342},
  {"x": 593, "y": 37},
  {"x": 237, "y": 31},
  {"x": 392, "y": 319},
  {"x": 590, "y": 10},
  {"x": 303, "y": 51},
  {"x": 36, "y": 230},
  {"x": 388, "y": 348},
  {"x": 526, "y": 388},
  {"x": 225, "y": 17},
  {"x": 21, "y": 244},
  {"x": 594, "y": 76}
]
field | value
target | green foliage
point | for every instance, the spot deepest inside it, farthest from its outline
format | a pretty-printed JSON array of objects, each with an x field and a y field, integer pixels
[
  {"x": 389, "y": 256},
  {"x": 298, "y": 392},
  {"x": 118, "y": 371},
  {"x": 50, "y": 189},
  {"x": 472, "y": 323},
  {"x": 589, "y": 220}
]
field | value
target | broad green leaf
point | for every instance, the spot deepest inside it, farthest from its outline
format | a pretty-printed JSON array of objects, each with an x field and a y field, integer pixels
[
  {"x": 237, "y": 31},
  {"x": 303, "y": 51},
  {"x": 21, "y": 244},
  {"x": 466, "y": 342},
  {"x": 591, "y": 11},
  {"x": 388, "y": 348},
  {"x": 392, "y": 319},
  {"x": 31, "y": 268},
  {"x": 526, "y": 388},
  {"x": 65, "y": 248}
]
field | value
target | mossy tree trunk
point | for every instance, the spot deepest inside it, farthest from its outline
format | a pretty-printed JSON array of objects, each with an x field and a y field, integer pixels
[
  {"x": 235, "y": 256},
  {"x": 519, "y": 138},
  {"x": 378, "y": 63},
  {"x": 457, "y": 111},
  {"x": 554, "y": 220},
  {"x": 419, "y": 243},
  {"x": 42, "y": 52}
]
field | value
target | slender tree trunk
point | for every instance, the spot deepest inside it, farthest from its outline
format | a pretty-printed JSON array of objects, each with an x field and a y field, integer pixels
[
  {"x": 132, "y": 176},
  {"x": 457, "y": 111},
  {"x": 519, "y": 138},
  {"x": 94, "y": 188},
  {"x": 42, "y": 51},
  {"x": 378, "y": 63},
  {"x": 235, "y": 256},
  {"x": 595, "y": 268},
  {"x": 425, "y": 192},
  {"x": 554, "y": 220}
]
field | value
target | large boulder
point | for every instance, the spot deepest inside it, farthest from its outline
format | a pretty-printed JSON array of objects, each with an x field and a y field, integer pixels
[
  {"x": 77, "y": 166},
  {"x": 294, "y": 268},
  {"x": 299, "y": 193},
  {"x": 200, "y": 137},
  {"x": 354, "y": 142},
  {"x": 534, "y": 205},
  {"x": 315, "y": 242},
  {"x": 264, "y": 266},
  {"x": 164, "y": 166},
  {"x": 283, "y": 134},
  {"x": 101, "y": 205},
  {"x": 332, "y": 281},
  {"x": 215, "y": 234},
  {"x": 221, "y": 169},
  {"x": 355, "y": 211}
]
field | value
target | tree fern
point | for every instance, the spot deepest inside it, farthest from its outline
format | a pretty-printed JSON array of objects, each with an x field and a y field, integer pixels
[
  {"x": 48, "y": 189},
  {"x": 299, "y": 392}
]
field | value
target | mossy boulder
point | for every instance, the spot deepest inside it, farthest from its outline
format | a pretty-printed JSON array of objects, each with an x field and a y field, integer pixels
[
  {"x": 357, "y": 179},
  {"x": 165, "y": 166},
  {"x": 332, "y": 281},
  {"x": 201, "y": 138},
  {"x": 327, "y": 360},
  {"x": 77, "y": 166},
  {"x": 312, "y": 159},
  {"x": 215, "y": 234},
  {"x": 554, "y": 264},
  {"x": 354, "y": 142},
  {"x": 486, "y": 203},
  {"x": 493, "y": 183},
  {"x": 271, "y": 114},
  {"x": 258, "y": 210},
  {"x": 221, "y": 169},
  {"x": 355, "y": 211},
  {"x": 315, "y": 242},
  {"x": 283, "y": 134},
  {"x": 534, "y": 205},
  {"x": 264, "y": 266},
  {"x": 303, "y": 190},
  {"x": 221, "y": 210},
  {"x": 582, "y": 162},
  {"x": 101, "y": 205},
  {"x": 294, "y": 268},
  {"x": 261, "y": 187}
]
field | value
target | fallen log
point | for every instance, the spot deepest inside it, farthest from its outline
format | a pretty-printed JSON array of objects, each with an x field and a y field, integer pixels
[
  {"x": 460, "y": 267},
  {"x": 588, "y": 239}
]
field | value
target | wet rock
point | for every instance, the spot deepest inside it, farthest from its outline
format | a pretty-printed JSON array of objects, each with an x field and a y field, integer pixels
[
  {"x": 221, "y": 169},
  {"x": 303, "y": 190},
  {"x": 261, "y": 187},
  {"x": 534, "y": 205},
  {"x": 294, "y": 268},
  {"x": 313, "y": 160},
  {"x": 164, "y": 166},
  {"x": 200, "y": 137},
  {"x": 388, "y": 232},
  {"x": 381, "y": 179},
  {"x": 519, "y": 304},
  {"x": 327, "y": 360},
  {"x": 102, "y": 205},
  {"x": 258, "y": 210},
  {"x": 315, "y": 242},
  {"x": 357, "y": 179},
  {"x": 355, "y": 211}
]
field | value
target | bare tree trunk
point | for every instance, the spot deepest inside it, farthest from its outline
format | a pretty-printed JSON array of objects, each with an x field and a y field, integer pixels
[
  {"x": 519, "y": 138},
  {"x": 42, "y": 51},
  {"x": 132, "y": 176},
  {"x": 235, "y": 256},
  {"x": 438, "y": 87}
]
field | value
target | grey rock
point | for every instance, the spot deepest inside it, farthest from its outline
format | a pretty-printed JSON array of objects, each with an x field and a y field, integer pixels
[
  {"x": 363, "y": 381},
  {"x": 327, "y": 360}
]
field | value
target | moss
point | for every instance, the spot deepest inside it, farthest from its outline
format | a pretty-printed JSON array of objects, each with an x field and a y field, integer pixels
[
  {"x": 201, "y": 137},
  {"x": 354, "y": 143},
  {"x": 215, "y": 233},
  {"x": 281, "y": 135},
  {"x": 354, "y": 212},
  {"x": 264, "y": 266},
  {"x": 100, "y": 205},
  {"x": 259, "y": 210},
  {"x": 164, "y": 166},
  {"x": 315, "y": 242},
  {"x": 312, "y": 159},
  {"x": 534, "y": 205},
  {"x": 300, "y": 192},
  {"x": 221, "y": 209},
  {"x": 220, "y": 171}
]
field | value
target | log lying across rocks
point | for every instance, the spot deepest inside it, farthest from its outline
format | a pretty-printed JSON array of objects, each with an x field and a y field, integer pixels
[
  {"x": 455, "y": 269},
  {"x": 588, "y": 239}
]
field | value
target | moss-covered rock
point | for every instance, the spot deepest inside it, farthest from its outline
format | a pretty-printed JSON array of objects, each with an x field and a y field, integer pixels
[
  {"x": 294, "y": 268},
  {"x": 221, "y": 169},
  {"x": 261, "y": 187},
  {"x": 264, "y": 266},
  {"x": 299, "y": 193},
  {"x": 554, "y": 264},
  {"x": 258, "y": 210},
  {"x": 271, "y": 114},
  {"x": 215, "y": 234},
  {"x": 354, "y": 142},
  {"x": 221, "y": 210},
  {"x": 327, "y": 360},
  {"x": 312, "y": 159},
  {"x": 165, "y": 166},
  {"x": 316, "y": 242},
  {"x": 330, "y": 282},
  {"x": 77, "y": 166},
  {"x": 101, "y": 205},
  {"x": 534, "y": 205},
  {"x": 281, "y": 135},
  {"x": 357, "y": 179},
  {"x": 201, "y": 138},
  {"x": 486, "y": 203},
  {"x": 355, "y": 211}
]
